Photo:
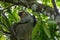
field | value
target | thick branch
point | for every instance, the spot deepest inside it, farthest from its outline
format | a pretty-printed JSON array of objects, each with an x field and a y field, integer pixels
[
  {"x": 8, "y": 1},
  {"x": 18, "y": 2}
]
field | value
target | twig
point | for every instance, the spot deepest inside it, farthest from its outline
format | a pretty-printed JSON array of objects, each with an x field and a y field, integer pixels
[{"x": 5, "y": 32}]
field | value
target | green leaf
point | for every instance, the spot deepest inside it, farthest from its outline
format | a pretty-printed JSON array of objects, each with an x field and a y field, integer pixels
[
  {"x": 47, "y": 31},
  {"x": 2, "y": 38},
  {"x": 35, "y": 30}
]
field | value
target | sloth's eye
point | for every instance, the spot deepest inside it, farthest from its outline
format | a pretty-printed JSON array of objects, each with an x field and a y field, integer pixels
[{"x": 20, "y": 13}]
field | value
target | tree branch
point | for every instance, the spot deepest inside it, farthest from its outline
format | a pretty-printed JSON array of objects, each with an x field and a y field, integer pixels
[
  {"x": 55, "y": 7},
  {"x": 18, "y": 2}
]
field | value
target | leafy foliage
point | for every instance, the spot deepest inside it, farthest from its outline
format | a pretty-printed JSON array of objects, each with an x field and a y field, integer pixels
[{"x": 44, "y": 29}]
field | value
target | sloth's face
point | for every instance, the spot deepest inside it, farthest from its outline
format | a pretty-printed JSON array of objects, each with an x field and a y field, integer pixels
[{"x": 22, "y": 14}]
